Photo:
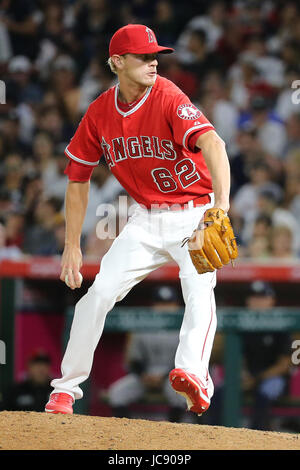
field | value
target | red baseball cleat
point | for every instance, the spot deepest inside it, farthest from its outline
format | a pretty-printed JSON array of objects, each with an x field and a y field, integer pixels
[
  {"x": 189, "y": 386},
  {"x": 60, "y": 403}
]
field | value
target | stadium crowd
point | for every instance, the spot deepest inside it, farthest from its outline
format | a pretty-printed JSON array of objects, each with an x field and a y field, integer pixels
[{"x": 239, "y": 63}]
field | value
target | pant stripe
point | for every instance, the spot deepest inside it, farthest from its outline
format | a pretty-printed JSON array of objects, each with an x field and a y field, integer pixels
[{"x": 211, "y": 317}]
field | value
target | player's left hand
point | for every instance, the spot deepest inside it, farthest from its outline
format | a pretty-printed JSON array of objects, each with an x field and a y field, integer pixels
[{"x": 213, "y": 244}]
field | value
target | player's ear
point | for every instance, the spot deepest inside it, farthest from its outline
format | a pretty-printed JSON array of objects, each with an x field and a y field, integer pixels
[{"x": 118, "y": 61}]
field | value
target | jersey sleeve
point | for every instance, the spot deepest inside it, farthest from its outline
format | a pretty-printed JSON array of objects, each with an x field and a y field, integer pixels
[
  {"x": 78, "y": 172},
  {"x": 84, "y": 146},
  {"x": 186, "y": 119}
]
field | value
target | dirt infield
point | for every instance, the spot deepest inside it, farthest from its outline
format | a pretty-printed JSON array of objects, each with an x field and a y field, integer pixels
[{"x": 40, "y": 431}]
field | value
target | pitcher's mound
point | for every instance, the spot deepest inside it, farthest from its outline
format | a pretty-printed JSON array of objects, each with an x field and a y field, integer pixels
[{"x": 41, "y": 431}]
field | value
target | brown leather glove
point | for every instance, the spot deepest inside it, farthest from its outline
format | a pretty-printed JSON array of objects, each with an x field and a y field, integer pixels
[{"x": 212, "y": 244}]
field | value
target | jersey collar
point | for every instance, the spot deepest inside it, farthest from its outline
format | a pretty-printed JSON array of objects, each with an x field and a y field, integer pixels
[{"x": 136, "y": 107}]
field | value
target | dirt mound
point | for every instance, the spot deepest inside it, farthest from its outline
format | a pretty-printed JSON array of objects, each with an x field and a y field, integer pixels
[{"x": 41, "y": 431}]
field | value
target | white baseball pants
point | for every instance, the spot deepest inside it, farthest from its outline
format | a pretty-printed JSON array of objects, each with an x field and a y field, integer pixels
[{"x": 149, "y": 240}]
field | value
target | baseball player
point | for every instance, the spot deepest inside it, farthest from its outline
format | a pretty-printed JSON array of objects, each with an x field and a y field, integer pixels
[{"x": 169, "y": 158}]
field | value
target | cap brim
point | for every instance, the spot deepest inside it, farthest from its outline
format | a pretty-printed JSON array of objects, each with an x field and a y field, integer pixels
[
  {"x": 154, "y": 49},
  {"x": 165, "y": 50},
  {"x": 149, "y": 50}
]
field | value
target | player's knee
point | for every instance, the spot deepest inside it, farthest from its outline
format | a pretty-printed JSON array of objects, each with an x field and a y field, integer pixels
[
  {"x": 111, "y": 290},
  {"x": 104, "y": 288}
]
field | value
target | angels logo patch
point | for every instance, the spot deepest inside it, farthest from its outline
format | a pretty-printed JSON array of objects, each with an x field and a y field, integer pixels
[{"x": 188, "y": 111}]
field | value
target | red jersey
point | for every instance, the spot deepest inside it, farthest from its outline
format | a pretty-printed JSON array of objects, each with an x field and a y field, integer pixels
[{"x": 146, "y": 148}]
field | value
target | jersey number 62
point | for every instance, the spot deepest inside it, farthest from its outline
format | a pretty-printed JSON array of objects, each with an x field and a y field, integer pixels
[{"x": 185, "y": 171}]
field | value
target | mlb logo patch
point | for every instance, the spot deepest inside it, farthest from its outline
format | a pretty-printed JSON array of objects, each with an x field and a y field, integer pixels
[{"x": 188, "y": 111}]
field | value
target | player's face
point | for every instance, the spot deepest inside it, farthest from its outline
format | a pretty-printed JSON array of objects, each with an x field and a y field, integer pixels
[{"x": 140, "y": 68}]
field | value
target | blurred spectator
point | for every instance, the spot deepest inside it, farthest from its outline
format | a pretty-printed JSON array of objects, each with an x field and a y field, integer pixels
[
  {"x": 13, "y": 173},
  {"x": 211, "y": 24},
  {"x": 141, "y": 10},
  {"x": 14, "y": 227},
  {"x": 64, "y": 83},
  {"x": 270, "y": 68},
  {"x": 56, "y": 35},
  {"x": 32, "y": 190},
  {"x": 5, "y": 44},
  {"x": 170, "y": 68},
  {"x": 7, "y": 251},
  {"x": 285, "y": 104},
  {"x": 96, "y": 79},
  {"x": 259, "y": 246},
  {"x": 150, "y": 358},
  {"x": 6, "y": 203},
  {"x": 20, "y": 72},
  {"x": 39, "y": 237},
  {"x": 2, "y": 146},
  {"x": 271, "y": 132},
  {"x": 252, "y": 16},
  {"x": 196, "y": 57},
  {"x": 165, "y": 22},
  {"x": 295, "y": 205},
  {"x": 293, "y": 135},
  {"x": 55, "y": 180},
  {"x": 262, "y": 226},
  {"x": 290, "y": 52},
  {"x": 43, "y": 152},
  {"x": 26, "y": 94},
  {"x": 292, "y": 184},
  {"x": 245, "y": 201},
  {"x": 230, "y": 43},
  {"x": 95, "y": 22},
  {"x": 243, "y": 76},
  {"x": 11, "y": 133},
  {"x": 217, "y": 105},
  {"x": 292, "y": 167},
  {"x": 31, "y": 393},
  {"x": 282, "y": 246},
  {"x": 287, "y": 16},
  {"x": 268, "y": 204},
  {"x": 51, "y": 119},
  {"x": 266, "y": 359},
  {"x": 21, "y": 19},
  {"x": 249, "y": 152}
]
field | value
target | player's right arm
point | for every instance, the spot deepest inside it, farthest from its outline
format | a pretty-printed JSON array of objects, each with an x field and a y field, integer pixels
[
  {"x": 76, "y": 202},
  {"x": 84, "y": 154}
]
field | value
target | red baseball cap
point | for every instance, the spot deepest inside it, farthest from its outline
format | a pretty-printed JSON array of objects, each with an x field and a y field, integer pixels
[{"x": 135, "y": 39}]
